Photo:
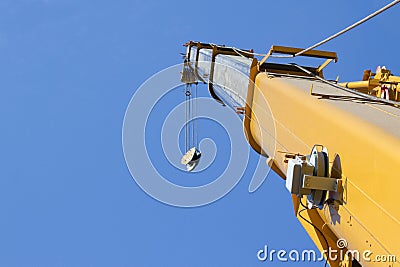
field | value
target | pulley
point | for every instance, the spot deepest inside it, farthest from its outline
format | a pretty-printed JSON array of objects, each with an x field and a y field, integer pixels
[
  {"x": 319, "y": 160},
  {"x": 309, "y": 175}
]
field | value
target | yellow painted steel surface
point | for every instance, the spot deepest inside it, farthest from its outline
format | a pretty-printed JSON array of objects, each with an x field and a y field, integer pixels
[
  {"x": 287, "y": 115},
  {"x": 365, "y": 135}
]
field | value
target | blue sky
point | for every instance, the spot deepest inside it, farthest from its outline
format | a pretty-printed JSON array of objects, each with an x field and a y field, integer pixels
[{"x": 68, "y": 71}]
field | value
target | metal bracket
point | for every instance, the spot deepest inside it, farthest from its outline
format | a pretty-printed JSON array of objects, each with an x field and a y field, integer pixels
[
  {"x": 240, "y": 110},
  {"x": 293, "y": 50},
  {"x": 323, "y": 65},
  {"x": 320, "y": 183}
]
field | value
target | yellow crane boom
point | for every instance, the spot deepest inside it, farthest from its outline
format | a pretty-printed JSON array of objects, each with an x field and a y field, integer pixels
[{"x": 353, "y": 195}]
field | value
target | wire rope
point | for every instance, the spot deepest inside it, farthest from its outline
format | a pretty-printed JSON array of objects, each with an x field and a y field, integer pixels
[{"x": 333, "y": 36}]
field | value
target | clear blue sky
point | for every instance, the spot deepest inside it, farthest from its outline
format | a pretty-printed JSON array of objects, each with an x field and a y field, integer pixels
[{"x": 67, "y": 72}]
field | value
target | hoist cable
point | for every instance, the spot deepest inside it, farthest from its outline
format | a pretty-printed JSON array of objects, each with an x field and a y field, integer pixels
[
  {"x": 196, "y": 118},
  {"x": 354, "y": 25},
  {"x": 186, "y": 118},
  {"x": 348, "y": 28}
]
